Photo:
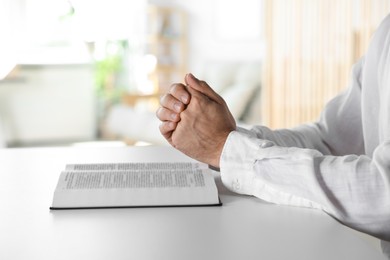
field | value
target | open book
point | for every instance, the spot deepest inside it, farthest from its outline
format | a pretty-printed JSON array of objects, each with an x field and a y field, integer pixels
[{"x": 117, "y": 185}]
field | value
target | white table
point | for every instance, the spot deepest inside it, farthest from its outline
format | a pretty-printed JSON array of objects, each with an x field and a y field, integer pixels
[{"x": 243, "y": 228}]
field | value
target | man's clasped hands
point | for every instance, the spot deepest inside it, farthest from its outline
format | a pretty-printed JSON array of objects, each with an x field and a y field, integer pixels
[{"x": 195, "y": 120}]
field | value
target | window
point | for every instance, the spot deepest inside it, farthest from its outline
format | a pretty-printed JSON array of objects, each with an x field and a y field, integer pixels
[{"x": 55, "y": 31}]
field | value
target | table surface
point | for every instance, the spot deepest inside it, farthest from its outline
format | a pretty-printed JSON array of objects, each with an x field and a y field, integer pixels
[{"x": 243, "y": 228}]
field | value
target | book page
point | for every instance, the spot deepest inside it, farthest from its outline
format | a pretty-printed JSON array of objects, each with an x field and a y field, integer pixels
[
  {"x": 135, "y": 166},
  {"x": 135, "y": 184},
  {"x": 132, "y": 179}
]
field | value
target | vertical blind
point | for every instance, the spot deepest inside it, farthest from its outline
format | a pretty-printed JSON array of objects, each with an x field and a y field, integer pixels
[{"x": 311, "y": 46}]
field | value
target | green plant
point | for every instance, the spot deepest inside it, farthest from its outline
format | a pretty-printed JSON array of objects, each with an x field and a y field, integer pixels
[{"x": 108, "y": 71}]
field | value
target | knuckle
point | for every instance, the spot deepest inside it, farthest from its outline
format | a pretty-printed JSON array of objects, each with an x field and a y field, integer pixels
[
  {"x": 162, "y": 125},
  {"x": 158, "y": 111},
  {"x": 161, "y": 128},
  {"x": 163, "y": 114},
  {"x": 163, "y": 99},
  {"x": 196, "y": 99},
  {"x": 174, "y": 117},
  {"x": 197, "y": 102},
  {"x": 177, "y": 90},
  {"x": 167, "y": 102},
  {"x": 174, "y": 85},
  {"x": 165, "y": 131},
  {"x": 174, "y": 88}
]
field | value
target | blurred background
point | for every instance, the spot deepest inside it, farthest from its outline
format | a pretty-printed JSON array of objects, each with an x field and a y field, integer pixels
[{"x": 83, "y": 72}]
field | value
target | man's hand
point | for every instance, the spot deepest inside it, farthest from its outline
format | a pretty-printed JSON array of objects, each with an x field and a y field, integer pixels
[
  {"x": 202, "y": 127},
  {"x": 172, "y": 104}
]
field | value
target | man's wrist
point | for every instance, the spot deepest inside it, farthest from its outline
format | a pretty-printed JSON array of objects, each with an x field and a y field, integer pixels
[{"x": 218, "y": 151}]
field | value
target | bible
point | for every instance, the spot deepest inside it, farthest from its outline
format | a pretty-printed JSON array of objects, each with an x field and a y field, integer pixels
[{"x": 122, "y": 185}]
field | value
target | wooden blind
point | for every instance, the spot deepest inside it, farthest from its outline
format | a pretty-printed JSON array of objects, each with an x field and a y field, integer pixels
[{"x": 311, "y": 46}]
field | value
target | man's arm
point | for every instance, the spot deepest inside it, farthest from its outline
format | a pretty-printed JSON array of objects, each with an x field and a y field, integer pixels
[{"x": 267, "y": 164}]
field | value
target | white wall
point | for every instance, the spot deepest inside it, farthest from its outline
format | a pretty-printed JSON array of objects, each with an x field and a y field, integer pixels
[
  {"x": 205, "y": 41},
  {"x": 48, "y": 103}
]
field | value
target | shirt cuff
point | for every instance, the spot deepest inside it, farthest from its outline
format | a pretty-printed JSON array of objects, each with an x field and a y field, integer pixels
[
  {"x": 242, "y": 173},
  {"x": 238, "y": 159}
]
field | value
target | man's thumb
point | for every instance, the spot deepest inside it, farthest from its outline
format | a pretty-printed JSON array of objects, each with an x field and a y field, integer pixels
[{"x": 202, "y": 87}]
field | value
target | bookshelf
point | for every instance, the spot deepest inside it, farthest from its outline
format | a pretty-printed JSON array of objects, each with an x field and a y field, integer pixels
[{"x": 166, "y": 39}]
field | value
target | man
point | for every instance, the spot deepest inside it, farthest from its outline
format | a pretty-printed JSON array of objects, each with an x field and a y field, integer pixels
[{"x": 340, "y": 164}]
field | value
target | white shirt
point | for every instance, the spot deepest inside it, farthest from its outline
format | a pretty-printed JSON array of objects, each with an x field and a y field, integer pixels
[{"x": 340, "y": 164}]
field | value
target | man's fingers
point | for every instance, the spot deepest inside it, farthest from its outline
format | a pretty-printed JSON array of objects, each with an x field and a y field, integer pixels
[
  {"x": 170, "y": 102},
  {"x": 180, "y": 92},
  {"x": 167, "y": 128},
  {"x": 167, "y": 115},
  {"x": 202, "y": 87}
]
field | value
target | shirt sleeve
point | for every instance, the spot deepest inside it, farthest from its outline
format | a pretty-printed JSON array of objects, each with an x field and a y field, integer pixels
[{"x": 318, "y": 166}]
